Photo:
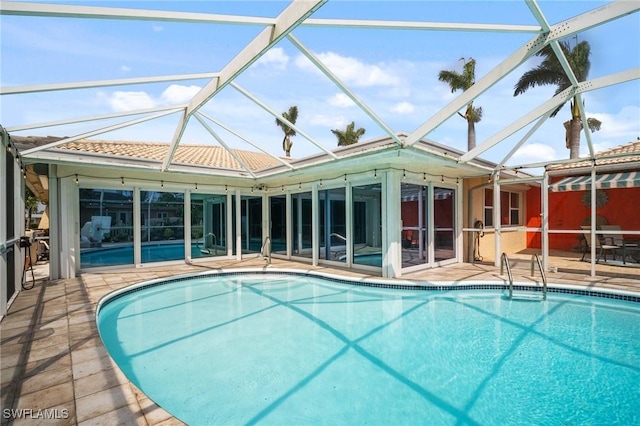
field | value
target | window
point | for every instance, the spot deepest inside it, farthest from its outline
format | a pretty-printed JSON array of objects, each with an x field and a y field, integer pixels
[
  {"x": 104, "y": 240},
  {"x": 509, "y": 208}
]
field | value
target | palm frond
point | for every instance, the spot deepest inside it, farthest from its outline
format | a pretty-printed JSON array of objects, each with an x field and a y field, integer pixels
[
  {"x": 594, "y": 124},
  {"x": 455, "y": 80}
]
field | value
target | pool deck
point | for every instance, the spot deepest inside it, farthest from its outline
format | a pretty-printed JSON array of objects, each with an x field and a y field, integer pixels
[{"x": 54, "y": 365}]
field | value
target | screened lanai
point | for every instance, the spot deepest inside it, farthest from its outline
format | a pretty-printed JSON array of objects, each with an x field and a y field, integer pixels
[{"x": 160, "y": 132}]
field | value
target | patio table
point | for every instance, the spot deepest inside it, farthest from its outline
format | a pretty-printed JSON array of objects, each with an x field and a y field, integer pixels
[{"x": 630, "y": 248}]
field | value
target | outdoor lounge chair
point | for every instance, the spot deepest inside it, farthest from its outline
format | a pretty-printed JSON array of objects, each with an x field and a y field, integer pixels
[{"x": 601, "y": 246}]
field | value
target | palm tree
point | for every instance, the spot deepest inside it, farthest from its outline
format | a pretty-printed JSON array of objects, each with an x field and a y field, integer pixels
[
  {"x": 291, "y": 116},
  {"x": 550, "y": 71},
  {"x": 463, "y": 82},
  {"x": 349, "y": 136}
]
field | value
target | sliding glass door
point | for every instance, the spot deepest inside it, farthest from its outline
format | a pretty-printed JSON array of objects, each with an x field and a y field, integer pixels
[
  {"x": 332, "y": 225},
  {"x": 367, "y": 225},
  {"x": 208, "y": 225},
  {"x": 301, "y": 224},
  {"x": 428, "y": 225},
  {"x": 443, "y": 222}
]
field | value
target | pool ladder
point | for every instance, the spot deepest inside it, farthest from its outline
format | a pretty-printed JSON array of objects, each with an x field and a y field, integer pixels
[
  {"x": 504, "y": 262},
  {"x": 207, "y": 250},
  {"x": 535, "y": 259},
  {"x": 263, "y": 249}
]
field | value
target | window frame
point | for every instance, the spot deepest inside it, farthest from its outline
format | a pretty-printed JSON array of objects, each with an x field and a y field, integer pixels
[{"x": 487, "y": 207}]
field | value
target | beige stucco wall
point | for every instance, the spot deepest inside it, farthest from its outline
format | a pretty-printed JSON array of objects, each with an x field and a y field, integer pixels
[{"x": 511, "y": 242}]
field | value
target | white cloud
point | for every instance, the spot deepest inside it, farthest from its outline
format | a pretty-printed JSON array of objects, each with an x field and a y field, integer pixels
[
  {"x": 535, "y": 152},
  {"x": 340, "y": 100},
  {"x": 403, "y": 108},
  {"x": 177, "y": 94},
  {"x": 325, "y": 120},
  {"x": 351, "y": 70},
  {"x": 157, "y": 28},
  {"x": 129, "y": 101},
  {"x": 125, "y": 68},
  {"x": 616, "y": 129},
  {"x": 275, "y": 58},
  {"x": 625, "y": 125}
]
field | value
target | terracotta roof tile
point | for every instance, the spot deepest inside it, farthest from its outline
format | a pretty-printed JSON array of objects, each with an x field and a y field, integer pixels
[
  {"x": 200, "y": 155},
  {"x": 627, "y": 153}
]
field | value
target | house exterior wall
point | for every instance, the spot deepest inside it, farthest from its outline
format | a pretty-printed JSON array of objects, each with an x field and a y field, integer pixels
[
  {"x": 533, "y": 218},
  {"x": 510, "y": 242},
  {"x": 567, "y": 211}
]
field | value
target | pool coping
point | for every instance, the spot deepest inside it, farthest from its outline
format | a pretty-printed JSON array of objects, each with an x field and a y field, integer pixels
[{"x": 382, "y": 283}]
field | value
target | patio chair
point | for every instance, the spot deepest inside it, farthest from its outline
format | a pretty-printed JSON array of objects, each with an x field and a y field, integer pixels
[
  {"x": 629, "y": 248},
  {"x": 601, "y": 246},
  {"x": 612, "y": 239},
  {"x": 43, "y": 250},
  {"x": 415, "y": 239}
]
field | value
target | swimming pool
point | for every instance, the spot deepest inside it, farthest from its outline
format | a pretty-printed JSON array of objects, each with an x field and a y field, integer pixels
[
  {"x": 369, "y": 259},
  {"x": 123, "y": 255},
  {"x": 296, "y": 349}
]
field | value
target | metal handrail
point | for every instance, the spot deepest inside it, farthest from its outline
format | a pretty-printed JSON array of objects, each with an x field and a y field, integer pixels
[
  {"x": 542, "y": 274},
  {"x": 504, "y": 260},
  {"x": 262, "y": 249},
  {"x": 215, "y": 244},
  {"x": 335, "y": 234}
]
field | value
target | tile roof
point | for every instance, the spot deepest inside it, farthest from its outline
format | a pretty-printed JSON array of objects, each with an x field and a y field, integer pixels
[
  {"x": 620, "y": 155},
  {"x": 199, "y": 155}
]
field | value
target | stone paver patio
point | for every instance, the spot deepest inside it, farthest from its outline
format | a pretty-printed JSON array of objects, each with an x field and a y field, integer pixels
[{"x": 54, "y": 364}]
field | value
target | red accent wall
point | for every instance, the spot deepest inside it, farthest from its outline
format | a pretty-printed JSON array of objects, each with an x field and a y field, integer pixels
[
  {"x": 567, "y": 211},
  {"x": 534, "y": 220},
  {"x": 442, "y": 210}
]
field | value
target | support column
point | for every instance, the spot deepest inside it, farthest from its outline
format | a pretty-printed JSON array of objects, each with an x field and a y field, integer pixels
[
  {"x": 238, "y": 223},
  {"x": 545, "y": 221},
  {"x": 288, "y": 223},
  {"x": 315, "y": 225},
  {"x": 137, "y": 227},
  {"x": 348, "y": 204},
  {"x": 69, "y": 229},
  {"x": 4, "y": 244},
  {"x": 594, "y": 224},
  {"x": 55, "y": 230},
  {"x": 187, "y": 225},
  {"x": 497, "y": 223},
  {"x": 459, "y": 223},
  {"x": 230, "y": 219},
  {"x": 391, "y": 224}
]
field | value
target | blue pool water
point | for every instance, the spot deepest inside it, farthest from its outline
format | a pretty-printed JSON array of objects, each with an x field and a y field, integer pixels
[
  {"x": 123, "y": 255},
  {"x": 279, "y": 349},
  {"x": 369, "y": 259}
]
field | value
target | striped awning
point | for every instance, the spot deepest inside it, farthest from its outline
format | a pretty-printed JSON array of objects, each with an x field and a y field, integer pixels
[{"x": 611, "y": 180}]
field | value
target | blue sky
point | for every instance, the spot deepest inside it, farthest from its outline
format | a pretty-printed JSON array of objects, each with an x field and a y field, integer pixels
[{"x": 393, "y": 71}]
